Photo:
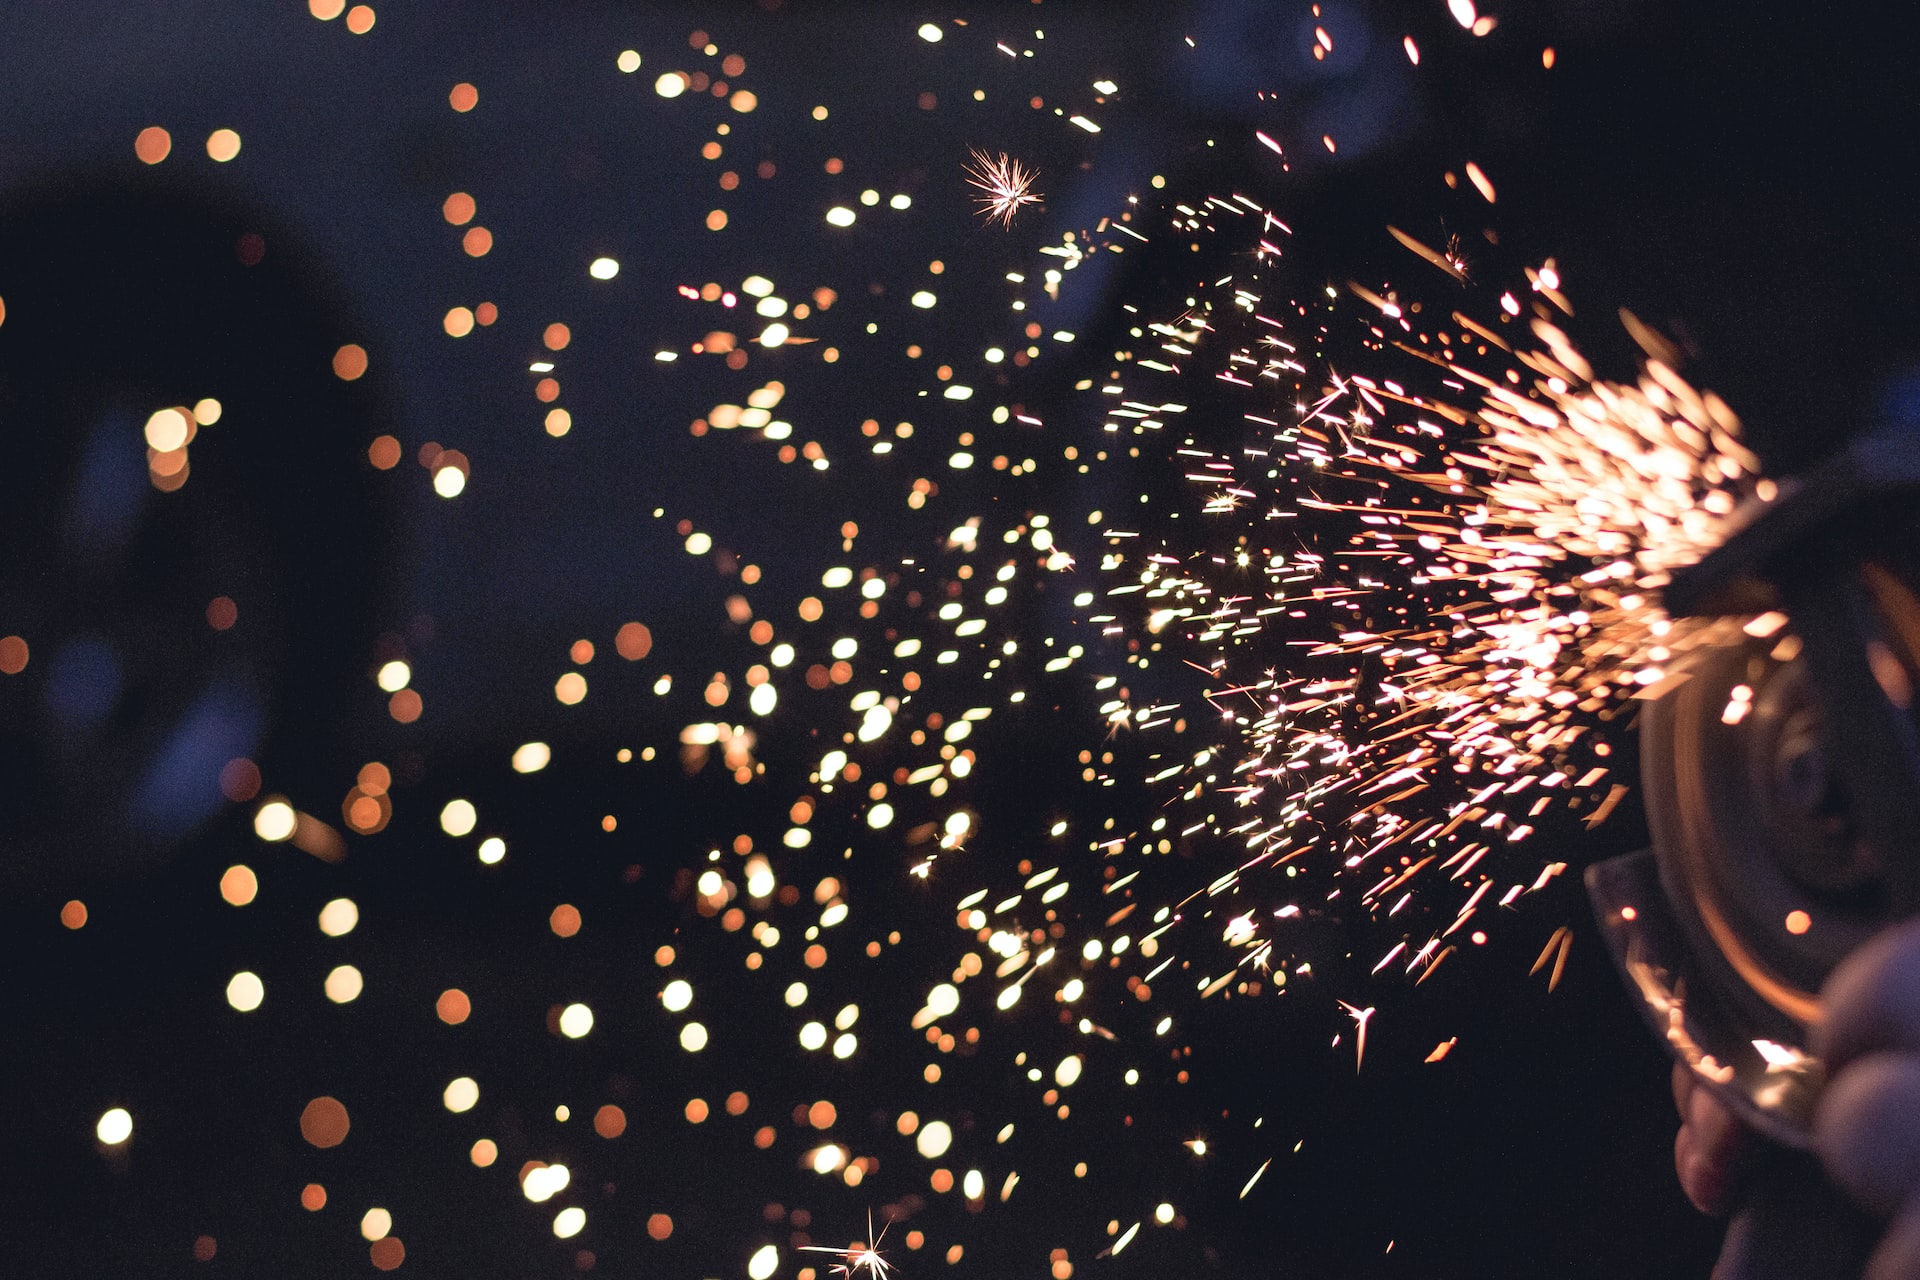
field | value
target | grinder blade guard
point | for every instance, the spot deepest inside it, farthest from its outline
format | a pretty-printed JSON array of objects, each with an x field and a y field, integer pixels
[{"x": 1781, "y": 774}]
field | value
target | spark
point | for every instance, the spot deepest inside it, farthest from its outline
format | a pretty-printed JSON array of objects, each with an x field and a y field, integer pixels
[
  {"x": 858, "y": 1257},
  {"x": 1006, "y": 183}
]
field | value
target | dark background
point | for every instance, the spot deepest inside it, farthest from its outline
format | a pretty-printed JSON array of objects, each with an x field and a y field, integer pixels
[{"x": 1739, "y": 175}]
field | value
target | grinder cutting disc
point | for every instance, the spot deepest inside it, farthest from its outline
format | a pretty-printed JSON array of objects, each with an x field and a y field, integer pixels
[{"x": 1753, "y": 838}]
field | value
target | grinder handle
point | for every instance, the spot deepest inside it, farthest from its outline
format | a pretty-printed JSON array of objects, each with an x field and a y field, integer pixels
[{"x": 1795, "y": 1225}]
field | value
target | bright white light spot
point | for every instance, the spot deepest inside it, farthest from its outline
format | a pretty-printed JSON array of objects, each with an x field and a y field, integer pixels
[
  {"x": 460, "y": 1094},
  {"x": 1163, "y": 1214},
  {"x": 338, "y": 918},
  {"x": 1008, "y": 998},
  {"x": 393, "y": 676},
  {"x": 943, "y": 999},
  {"x": 166, "y": 430},
  {"x": 114, "y": 1127},
  {"x": 813, "y": 1036},
  {"x": 449, "y": 482},
  {"x": 844, "y": 1046},
  {"x": 575, "y": 1021},
  {"x": 930, "y": 33},
  {"x": 901, "y": 201},
  {"x": 775, "y": 335},
  {"x": 542, "y": 1184},
  {"x": 762, "y": 700},
  {"x": 245, "y": 991},
  {"x": 376, "y": 1224},
  {"x": 698, "y": 544},
  {"x": 492, "y": 849},
  {"x": 923, "y": 300},
  {"x": 934, "y": 1138},
  {"x": 603, "y": 268},
  {"x": 458, "y": 818},
  {"x": 275, "y": 820},
  {"x": 839, "y": 216},
  {"x": 782, "y": 655},
  {"x": 845, "y": 647},
  {"x": 1068, "y": 1071},
  {"x": 974, "y": 1185},
  {"x": 531, "y": 757},
  {"x": 677, "y": 995},
  {"x": 771, "y": 308},
  {"x": 568, "y": 1223},
  {"x": 628, "y": 61},
  {"x": 693, "y": 1037},
  {"x": 836, "y": 577},
  {"x": 670, "y": 85},
  {"x": 796, "y": 994},
  {"x": 880, "y": 815}
]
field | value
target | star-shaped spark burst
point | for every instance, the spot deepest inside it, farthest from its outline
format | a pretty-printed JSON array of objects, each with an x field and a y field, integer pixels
[
  {"x": 1007, "y": 185},
  {"x": 858, "y": 1257}
]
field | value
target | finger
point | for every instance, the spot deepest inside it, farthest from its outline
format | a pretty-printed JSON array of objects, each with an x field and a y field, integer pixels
[
  {"x": 1711, "y": 1154},
  {"x": 1897, "y": 1256},
  {"x": 1867, "y": 1129},
  {"x": 1872, "y": 1000}
]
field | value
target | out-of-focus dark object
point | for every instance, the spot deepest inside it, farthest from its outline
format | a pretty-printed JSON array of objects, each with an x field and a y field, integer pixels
[
  {"x": 166, "y": 611},
  {"x": 1781, "y": 770}
]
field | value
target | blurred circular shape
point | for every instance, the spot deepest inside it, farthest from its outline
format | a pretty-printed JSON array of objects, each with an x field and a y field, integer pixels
[
  {"x": 360, "y": 19},
  {"x": 152, "y": 144},
  {"x": 245, "y": 991},
  {"x": 238, "y": 886},
  {"x": 459, "y": 817},
  {"x": 114, "y": 1127},
  {"x": 376, "y": 1224},
  {"x": 313, "y": 1197},
  {"x": 387, "y": 1253},
  {"x": 461, "y": 1094},
  {"x": 350, "y": 362},
  {"x": 453, "y": 1007},
  {"x": 458, "y": 208},
  {"x": 339, "y": 917},
  {"x": 344, "y": 984},
  {"x": 223, "y": 145},
  {"x": 275, "y": 820},
  {"x": 609, "y": 1121},
  {"x": 463, "y": 97},
  {"x": 166, "y": 430},
  {"x": 326, "y": 10},
  {"x": 74, "y": 914},
  {"x": 240, "y": 780},
  {"x": 576, "y": 1020},
  {"x": 659, "y": 1226},
  {"x": 324, "y": 1122},
  {"x": 477, "y": 242},
  {"x": 633, "y": 641},
  {"x": 13, "y": 655},
  {"x": 556, "y": 337}
]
